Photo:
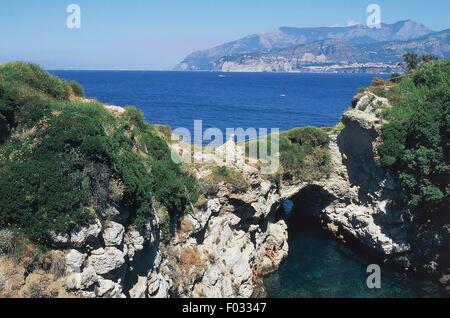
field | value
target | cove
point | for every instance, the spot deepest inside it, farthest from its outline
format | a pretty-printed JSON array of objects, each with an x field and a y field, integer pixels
[{"x": 319, "y": 266}]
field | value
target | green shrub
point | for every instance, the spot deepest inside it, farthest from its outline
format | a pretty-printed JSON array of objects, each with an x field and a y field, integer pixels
[
  {"x": 362, "y": 90},
  {"x": 66, "y": 160},
  {"x": 77, "y": 89},
  {"x": 165, "y": 221},
  {"x": 377, "y": 81},
  {"x": 164, "y": 131},
  {"x": 395, "y": 77},
  {"x": 309, "y": 137},
  {"x": 416, "y": 140},
  {"x": 208, "y": 188},
  {"x": 304, "y": 153},
  {"x": 34, "y": 77}
]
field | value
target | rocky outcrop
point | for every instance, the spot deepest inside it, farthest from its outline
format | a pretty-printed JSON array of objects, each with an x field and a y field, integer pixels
[
  {"x": 225, "y": 247},
  {"x": 105, "y": 258},
  {"x": 78, "y": 238},
  {"x": 113, "y": 234},
  {"x": 363, "y": 203},
  {"x": 74, "y": 261},
  {"x": 369, "y": 204}
]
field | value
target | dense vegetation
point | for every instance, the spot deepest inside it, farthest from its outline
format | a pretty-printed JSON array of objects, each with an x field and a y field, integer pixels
[
  {"x": 304, "y": 154},
  {"x": 63, "y": 160},
  {"x": 416, "y": 139}
]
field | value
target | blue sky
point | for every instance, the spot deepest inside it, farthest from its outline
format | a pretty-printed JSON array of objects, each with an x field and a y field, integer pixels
[{"x": 156, "y": 34}]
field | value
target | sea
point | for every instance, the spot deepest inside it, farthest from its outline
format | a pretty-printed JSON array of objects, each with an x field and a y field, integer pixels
[{"x": 229, "y": 100}]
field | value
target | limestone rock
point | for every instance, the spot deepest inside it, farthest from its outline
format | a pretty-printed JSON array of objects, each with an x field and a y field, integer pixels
[
  {"x": 74, "y": 261},
  {"x": 113, "y": 234},
  {"x": 275, "y": 248},
  {"x": 163, "y": 289},
  {"x": 105, "y": 286},
  {"x": 140, "y": 289},
  {"x": 110, "y": 213},
  {"x": 2, "y": 281},
  {"x": 108, "y": 288},
  {"x": 81, "y": 281},
  {"x": 135, "y": 242},
  {"x": 77, "y": 238},
  {"x": 198, "y": 219},
  {"x": 107, "y": 260},
  {"x": 153, "y": 283}
]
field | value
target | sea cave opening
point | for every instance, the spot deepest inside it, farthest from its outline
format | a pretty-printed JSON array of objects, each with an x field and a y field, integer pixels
[
  {"x": 319, "y": 265},
  {"x": 305, "y": 208}
]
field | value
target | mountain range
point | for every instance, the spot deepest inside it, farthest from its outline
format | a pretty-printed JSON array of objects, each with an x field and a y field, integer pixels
[{"x": 325, "y": 49}]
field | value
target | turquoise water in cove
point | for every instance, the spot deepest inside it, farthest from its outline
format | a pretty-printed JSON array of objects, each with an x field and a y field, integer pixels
[{"x": 318, "y": 266}]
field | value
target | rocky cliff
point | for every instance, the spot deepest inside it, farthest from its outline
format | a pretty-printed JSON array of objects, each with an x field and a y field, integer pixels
[{"x": 224, "y": 247}]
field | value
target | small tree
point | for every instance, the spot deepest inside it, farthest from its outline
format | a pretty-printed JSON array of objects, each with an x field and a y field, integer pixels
[
  {"x": 411, "y": 62},
  {"x": 428, "y": 58},
  {"x": 395, "y": 78}
]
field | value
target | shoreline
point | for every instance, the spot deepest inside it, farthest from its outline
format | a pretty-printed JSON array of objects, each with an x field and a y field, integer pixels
[{"x": 213, "y": 72}]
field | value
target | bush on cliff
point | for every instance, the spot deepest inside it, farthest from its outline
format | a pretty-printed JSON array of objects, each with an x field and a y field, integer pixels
[
  {"x": 62, "y": 161},
  {"x": 228, "y": 176},
  {"x": 304, "y": 153},
  {"x": 416, "y": 139}
]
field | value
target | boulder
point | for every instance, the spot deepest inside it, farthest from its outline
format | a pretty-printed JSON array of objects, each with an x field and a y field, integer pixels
[
  {"x": 135, "y": 242},
  {"x": 113, "y": 234},
  {"x": 140, "y": 289},
  {"x": 82, "y": 281},
  {"x": 104, "y": 286},
  {"x": 74, "y": 261},
  {"x": 163, "y": 288},
  {"x": 110, "y": 213},
  {"x": 153, "y": 283},
  {"x": 106, "y": 260},
  {"x": 108, "y": 288}
]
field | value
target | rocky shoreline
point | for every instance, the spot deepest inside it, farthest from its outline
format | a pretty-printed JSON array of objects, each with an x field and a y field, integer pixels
[{"x": 226, "y": 247}]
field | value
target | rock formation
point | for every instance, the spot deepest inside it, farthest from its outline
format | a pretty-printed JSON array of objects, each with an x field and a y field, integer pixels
[
  {"x": 225, "y": 247},
  {"x": 104, "y": 259}
]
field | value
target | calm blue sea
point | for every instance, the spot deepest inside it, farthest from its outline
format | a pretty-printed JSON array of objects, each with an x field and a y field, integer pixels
[{"x": 235, "y": 100}]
